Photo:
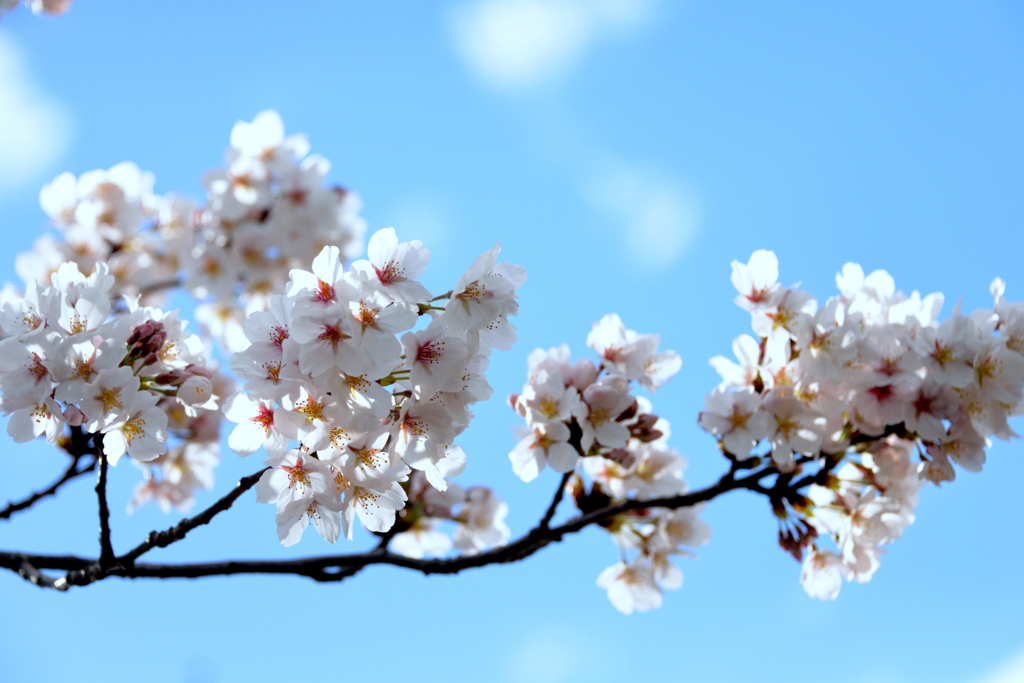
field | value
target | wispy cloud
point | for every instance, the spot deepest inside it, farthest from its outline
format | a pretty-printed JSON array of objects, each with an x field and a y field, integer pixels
[
  {"x": 520, "y": 44},
  {"x": 424, "y": 216},
  {"x": 1011, "y": 670},
  {"x": 34, "y": 128},
  {"x": 558, "y": 654},
  {"x": 654, "y": 212}
]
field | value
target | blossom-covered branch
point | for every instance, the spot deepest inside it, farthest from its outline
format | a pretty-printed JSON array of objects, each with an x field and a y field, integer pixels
[
  {"x": 357, "y": 382},
  {"x": 336, "y": 567}
]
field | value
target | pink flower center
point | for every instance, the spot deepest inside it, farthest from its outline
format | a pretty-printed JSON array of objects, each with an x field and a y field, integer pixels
[
  {"x": 334, "y": 335},
  {"x": 429, "y": 352},
  {"x": 389, "y": 273},
  {"x": 324, "y": 292}
]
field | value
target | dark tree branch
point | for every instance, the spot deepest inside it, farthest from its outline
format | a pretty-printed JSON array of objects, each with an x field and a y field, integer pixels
[
  {"x": 70, "y": 473},
  {"x": 106, "y": 560},
  {"x": 339, "y": 567},
  {"x": 83, "y": 572},
  {"x": 332, "y": 568},
  {"x": 545, "y": 521},
  {"x": 28, "y": 572}
]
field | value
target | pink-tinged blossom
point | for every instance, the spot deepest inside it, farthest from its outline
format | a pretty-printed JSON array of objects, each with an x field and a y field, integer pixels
[
  {"x": 868, "y": 296},
  {"x": 395, "y": 266},
  {"x": 185, "y": 469},
  {"x": 197, "y": 392},
  {"x": 631, "y": 587},
  {"x": 927, "y": 407},
  {"x": 367, "y": 489},
  {"x": 826, "y": 345},
  {"x": 874, "y": 300},
  {"x": 822, "y": 574},
  {"x": 105, "y": 400},
  {"x": 24, "y": 376},
  {"x": 421, "y": 432},
  {"x": 308, "y": 416},
  {"x": 963, "y": 445},
  {"x": 435, "y": 358},
  {"x": 141, "y": 433},
  {"x": 43, "y": 418},
  {"x": 989, "y": 416},
  {"x": 648, "y": 471},
  {"x": 556, "y": 361},
  {"x": 948, "y": 351},
  {"x": 736, "y": 417},
  {"x": 367, "y": 401},
  {"x": 322, "y": 510},
  {"x": 293, "y": 479},
  {"x": 325, "y": 339},
  {"x": 603, "y": 403},
  {"x": 999, "y": 372},
  {"x": 79, "y": 361},
  {"x": 793, "y": 428},
  {"x": 423, "y": 539},
  {"x": 264, "y": 139},
  {"x": 480, "y": 524},
  {"x": 546, "y": 444},
  {"x": 24, "y": 314},
  {"x": 675, "y": 528},
  {"x": 621, "y": 349},
  {"x": 323, "y": 287},
  {"x": 659, "y": 368},
  {"x": 269, "y": 329},
  {"x": 547, "y": 399},
  {"x": 471, "y": 387},
  {"x": 755, "y": 366},
  {"x": 254, "y": 415},
  {"x": 377, "y": 320},
  {"x": 483, "y": 294},
  {"x": 792, "y": 311},
  {"x": 757, "y": 281},
  {"x": 83, "y": 301}
]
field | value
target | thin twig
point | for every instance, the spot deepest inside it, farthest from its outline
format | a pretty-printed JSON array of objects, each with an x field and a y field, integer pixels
[
  {"x": 545, "y": 521},
  {"x": 81, "y": 574},
  {"x": 70, "y": 473},
  {"x": 162, "y": 539}
]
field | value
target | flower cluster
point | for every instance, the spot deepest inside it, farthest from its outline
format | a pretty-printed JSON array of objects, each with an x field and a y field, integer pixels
[
  {"x": 110, "y": 217},
  {"x": 268, "y": 211},
  {"x": 128, "y": 380},
  {"x": 583, "y": 419},
  {"x": 863, "y": 378},
  {"x": 349, "y": 392},
  {"x": 478, "y": 515}
]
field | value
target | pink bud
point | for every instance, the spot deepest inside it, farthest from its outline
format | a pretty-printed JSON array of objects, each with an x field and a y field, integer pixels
[{"x": 74, "y": 416}]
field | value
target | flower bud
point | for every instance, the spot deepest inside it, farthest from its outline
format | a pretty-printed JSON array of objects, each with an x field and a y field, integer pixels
[
  {"x": 195, "y": 391},
  {"x": 74, "y": 416}
]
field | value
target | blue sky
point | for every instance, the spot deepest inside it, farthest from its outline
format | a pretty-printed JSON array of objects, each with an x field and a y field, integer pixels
[{"x": 624, "y": 151}]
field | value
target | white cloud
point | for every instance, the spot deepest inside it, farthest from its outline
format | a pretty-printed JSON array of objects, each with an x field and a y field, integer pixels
[
  {"x": 1010, "y": 670},
  {"x": 656, "y": 214},
  {"x": 34, "y": 128},
  {"x": 518, "y": 44},
  {"x": 557, "y": 654},
  {"x": 421, "y": 216}
]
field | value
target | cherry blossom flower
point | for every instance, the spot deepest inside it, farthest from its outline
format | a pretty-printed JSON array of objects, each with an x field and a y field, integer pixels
[{"x": 139, "y": 432}]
